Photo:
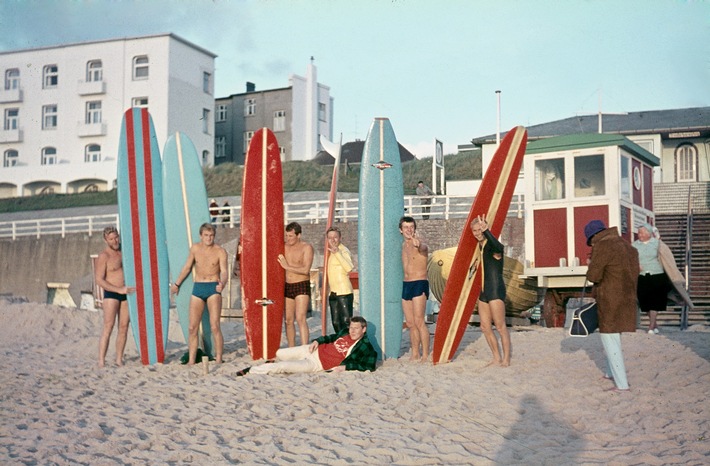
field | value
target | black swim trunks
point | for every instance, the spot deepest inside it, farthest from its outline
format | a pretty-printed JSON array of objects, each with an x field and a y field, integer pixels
[
  {"x": 294, "y": 289},
  {"x": 413, "y": 289},
  {"x": 117, "y": 296}
]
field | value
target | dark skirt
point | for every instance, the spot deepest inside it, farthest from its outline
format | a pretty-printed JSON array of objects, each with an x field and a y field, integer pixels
[{"x": 653, "y": 292}]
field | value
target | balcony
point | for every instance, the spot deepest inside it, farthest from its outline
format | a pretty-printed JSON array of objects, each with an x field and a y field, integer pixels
[
  {"x": 91, "y": 87},
  {"x": 10, "y": 95},
  {"x": 85, "y": 130},
  {"x": 10, "y": 135}
]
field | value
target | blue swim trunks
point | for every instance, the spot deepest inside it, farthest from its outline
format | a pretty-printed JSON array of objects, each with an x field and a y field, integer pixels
[
  {"x": 204, "y": 290},
  {"x": 411, "y": 290}
]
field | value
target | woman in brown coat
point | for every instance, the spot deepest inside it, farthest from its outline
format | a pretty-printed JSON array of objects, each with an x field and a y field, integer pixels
[{"x": 613, "y": 268}]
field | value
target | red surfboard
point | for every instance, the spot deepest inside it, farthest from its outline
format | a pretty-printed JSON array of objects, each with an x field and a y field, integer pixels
[
  {"x": 262, "y": 238},
  {"x": 464, "y": 283},
  {"x": 333, "y": 150}
]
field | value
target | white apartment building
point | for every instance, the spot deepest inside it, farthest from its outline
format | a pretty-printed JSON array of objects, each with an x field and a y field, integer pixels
[{"x": 62, "y": 107}]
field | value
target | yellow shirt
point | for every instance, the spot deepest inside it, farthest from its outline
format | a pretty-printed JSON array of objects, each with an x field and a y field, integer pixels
[{"x": 339, "y": 265}]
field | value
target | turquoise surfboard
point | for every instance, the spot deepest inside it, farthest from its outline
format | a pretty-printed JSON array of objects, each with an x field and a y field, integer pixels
[
  {"x": 380, "y": 272},
  {"x": 145, "y": 255},
  {"x": 186, "y": 208}
]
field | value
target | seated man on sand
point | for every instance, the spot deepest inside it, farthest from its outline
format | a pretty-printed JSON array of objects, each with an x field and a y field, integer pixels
[{"x": 347, "y": 350}]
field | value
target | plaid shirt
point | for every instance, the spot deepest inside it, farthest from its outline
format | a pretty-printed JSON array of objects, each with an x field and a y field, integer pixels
[{"x": 363, "y": 357}]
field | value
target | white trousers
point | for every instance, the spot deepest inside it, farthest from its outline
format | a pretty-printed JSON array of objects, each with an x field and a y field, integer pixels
[
  {"x": 290, "y": 361},
  {"x": 615, "y": 359}
]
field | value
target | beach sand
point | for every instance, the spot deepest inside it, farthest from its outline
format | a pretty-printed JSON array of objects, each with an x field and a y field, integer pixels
[{"x": 549, "y": 407}]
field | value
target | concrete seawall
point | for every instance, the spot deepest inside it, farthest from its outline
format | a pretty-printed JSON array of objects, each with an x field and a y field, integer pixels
[{"x": 28, "y": 264}]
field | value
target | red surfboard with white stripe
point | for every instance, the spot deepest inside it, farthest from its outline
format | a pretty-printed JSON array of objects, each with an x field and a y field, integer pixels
[
  {"x": 262, "y": 238},
  {"x": 464, "y": 283}
]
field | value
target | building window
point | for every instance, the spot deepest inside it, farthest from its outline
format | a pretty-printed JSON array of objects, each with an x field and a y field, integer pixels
[
  {"x": 12, "y": 79},
  {"x": 686, "y": 162},
  {"x": 49, "y": 116},
  {"x": 205, "y": 121},
  {"x": 280, "y": 120},
  {"x": 10, "y": 158},
  {"x": 549, "y": 179},
  {"x": 50, "y": 76},
  {"x": 321, "y": 112},
  {"x": 94, "y": 71},
  {"x": 92, "y": 153},
  {"x": 589, "y": 176},
  {"x": 220, "y": 147},
  {"x": 93, "y": 112},
  {"x": 221, "y": 113},
  {"x": 49, "y": 156},
  {"x": 141, "y": 102},
  {"x": 207, "y": 82},
  {"x": 205, "y": 157},
  {"x": 249, "y": 107},
  {"x": 12, "y": 119},
  {"x": 140, "y": 67},
  {"x": 247, "y": 139}
]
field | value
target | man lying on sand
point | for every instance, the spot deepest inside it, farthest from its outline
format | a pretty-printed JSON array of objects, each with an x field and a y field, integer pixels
[{"x": 347, "y": 350}]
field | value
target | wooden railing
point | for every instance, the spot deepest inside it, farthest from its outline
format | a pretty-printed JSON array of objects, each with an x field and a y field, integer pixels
[{"x": 442, "y": 207}]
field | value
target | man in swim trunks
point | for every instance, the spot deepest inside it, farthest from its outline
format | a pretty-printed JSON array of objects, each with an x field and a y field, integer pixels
[
  {"x": 296, "y": 261},
  {"x": 209, "y": 277},
  {"x": 108, "y": 274},
  {"x": 415, "y": 289},
  {"x": 491, "y": 301}
]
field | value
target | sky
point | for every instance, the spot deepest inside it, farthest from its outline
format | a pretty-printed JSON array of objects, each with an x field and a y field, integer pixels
[{"x": 431, "y": 66}]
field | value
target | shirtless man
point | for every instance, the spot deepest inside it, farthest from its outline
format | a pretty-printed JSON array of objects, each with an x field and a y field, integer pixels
[
  {"x": 109, "y": 276},
  {"x": 296, "y": 261},
  {"x": 415, "y": 290},
  {"x": 491, "y": 302},
  {"x": 209, "y": 277}
]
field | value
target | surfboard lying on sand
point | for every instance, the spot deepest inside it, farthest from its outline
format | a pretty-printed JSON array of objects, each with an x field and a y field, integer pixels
[
  {"x": 464, "y": 283},
  {"x": 145, "y": 255},
  {"x": 381, "y": 203},
  {"x": 262, "y": 237},
  {"x": 334, "y": 150},
  {"x": 186, "y": 209}
]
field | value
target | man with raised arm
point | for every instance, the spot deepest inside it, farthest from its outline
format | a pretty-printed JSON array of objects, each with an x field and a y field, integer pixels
[{"x": 415, "y": 290}]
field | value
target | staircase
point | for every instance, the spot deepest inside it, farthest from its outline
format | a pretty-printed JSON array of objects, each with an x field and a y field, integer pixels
[{"x": 673, "y": 228}]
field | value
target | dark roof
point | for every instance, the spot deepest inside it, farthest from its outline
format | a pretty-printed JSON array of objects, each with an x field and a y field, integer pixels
[
  {"x": 352, "y": 153},
  {"x": 649, "y": 122},
  {"x": 583, "y": 141}
]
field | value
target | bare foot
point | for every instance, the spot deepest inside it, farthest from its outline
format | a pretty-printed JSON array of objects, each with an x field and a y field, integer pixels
[
  {"x": 505, "y": 364},
  {"x": 119, "y": 362},
  {"x": 415, "y": 358},
  {"x": 218, "y": 360},
  {"x": 102, "y": 364},
  {"x": 493, "y": 362}
]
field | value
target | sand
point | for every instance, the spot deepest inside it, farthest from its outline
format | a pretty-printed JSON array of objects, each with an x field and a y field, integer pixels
[{"x": 549, "y": 407}]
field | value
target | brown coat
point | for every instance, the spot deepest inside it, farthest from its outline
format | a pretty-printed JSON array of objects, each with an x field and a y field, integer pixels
[{"x": 614, "y": 269}]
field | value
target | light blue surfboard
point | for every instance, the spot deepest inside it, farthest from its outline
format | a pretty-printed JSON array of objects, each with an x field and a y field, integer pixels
[
  {"x": 145, "y": 255},
  {"x": 186, "y": 208},
  {"x": 380, "y": 272}
]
